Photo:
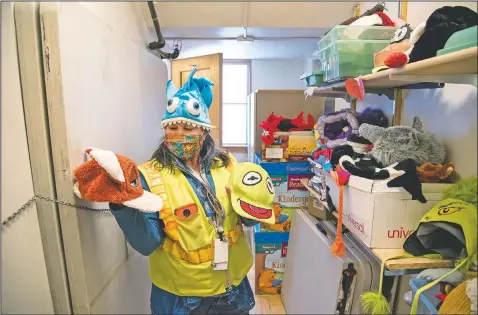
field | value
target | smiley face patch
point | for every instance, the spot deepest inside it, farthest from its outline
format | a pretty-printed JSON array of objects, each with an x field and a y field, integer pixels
[{"x": 252, "y": 192}]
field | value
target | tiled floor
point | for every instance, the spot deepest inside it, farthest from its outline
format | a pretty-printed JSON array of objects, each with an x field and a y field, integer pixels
[{"x": 268, "y": 305}]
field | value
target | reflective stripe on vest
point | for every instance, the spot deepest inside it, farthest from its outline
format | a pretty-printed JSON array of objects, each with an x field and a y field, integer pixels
[{"x": 199, "y": 256}]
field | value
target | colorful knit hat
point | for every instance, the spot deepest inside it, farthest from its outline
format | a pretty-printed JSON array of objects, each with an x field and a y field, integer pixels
[
  {"x": 457, "y": 301},
  {"x": 190, "y": 104}
]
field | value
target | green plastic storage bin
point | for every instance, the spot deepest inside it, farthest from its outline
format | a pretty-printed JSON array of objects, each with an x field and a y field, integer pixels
[
  {"x": 351, "y": 32},
  {"x": 358, "y": 47},
  {"x": 314, "y": 78},
  {"x": 460, "y": 40},
  {"x": 342, "y": 66}
]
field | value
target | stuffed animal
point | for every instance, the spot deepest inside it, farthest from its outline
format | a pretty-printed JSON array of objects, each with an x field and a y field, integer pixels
[
  {"x": 398, "y": 143},
  {"x": 268, "y": 282},
  {"x": 441, "y": 24},
  {"x": 400, "y": 174},
  {"x": 379, "y": 7},
  {"x": 400, "y": 58},
  {"x": 275, "y": 123},
  {"x": 435, "y": 173},
  {"x": 113, "y": 178},
  {"x": 336, "y": 126},
  {"x": 431, "y": 36},
  {"x": 465, "y": 189},
  {"x": 373, "y": 116},
  {"x": 400, "y": 42}
]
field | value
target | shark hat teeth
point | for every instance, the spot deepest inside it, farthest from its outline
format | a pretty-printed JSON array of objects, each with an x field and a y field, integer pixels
[{"x": 174, "y": 121}]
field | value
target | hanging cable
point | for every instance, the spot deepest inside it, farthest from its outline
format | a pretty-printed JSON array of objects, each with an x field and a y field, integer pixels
[{"x": 160, "y": 43}]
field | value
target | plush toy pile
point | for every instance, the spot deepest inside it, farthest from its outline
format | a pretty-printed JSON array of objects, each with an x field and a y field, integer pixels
[
  {"x": 362, "y": 144},
  {"x": 431, "y": 36}
]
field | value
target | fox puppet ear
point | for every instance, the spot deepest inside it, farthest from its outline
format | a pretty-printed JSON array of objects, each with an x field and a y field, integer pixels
[{"x": 108, "y": 161}]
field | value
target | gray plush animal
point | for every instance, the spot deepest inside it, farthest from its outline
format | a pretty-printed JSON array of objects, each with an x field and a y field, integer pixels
[{"x": 398, "y": 143}]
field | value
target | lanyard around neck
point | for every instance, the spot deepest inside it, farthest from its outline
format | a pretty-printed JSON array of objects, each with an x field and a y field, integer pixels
[{"x": 217, "y": 220}]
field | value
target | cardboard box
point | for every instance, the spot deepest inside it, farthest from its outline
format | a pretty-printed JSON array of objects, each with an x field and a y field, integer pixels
[
  {"x": 270, "y": 253},
  {"x": 286, "y": 177},
  {"x": 318, "y": 210},
  {"x": 290, "y": 193},
  {"x": 301, "y": 145},
  {"x": 278, "y": 151},
  {"x": 382, "y": 217},
  {"x": 295, "y": 146},
  {"x": 279, "y": 168}
]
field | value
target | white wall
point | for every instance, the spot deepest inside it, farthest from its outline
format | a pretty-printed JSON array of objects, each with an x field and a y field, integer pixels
[
  {"x": 259, "y": 49},
  {"x": 276, "y": 74},
  {"x": 123, "y": 84},
  {"x": 25, "y": 286}
]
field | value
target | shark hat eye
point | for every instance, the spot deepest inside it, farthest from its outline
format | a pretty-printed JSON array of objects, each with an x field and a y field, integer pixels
[
  {"x": 270, "y": 185},
  {"x": 251, "y": 178},
  {"x": 193, "y": 107},
  {"x": 172, "y": 105}
]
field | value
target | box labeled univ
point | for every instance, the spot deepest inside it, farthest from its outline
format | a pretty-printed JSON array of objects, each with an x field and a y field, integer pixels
[{"x": 382, "y": 217}]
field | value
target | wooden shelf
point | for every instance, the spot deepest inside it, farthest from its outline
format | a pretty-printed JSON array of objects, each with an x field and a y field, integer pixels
[
  {"x": 457, "y": 67},
  {"x": 383, "y": 254},
  {"x": 409, "y": 263}
]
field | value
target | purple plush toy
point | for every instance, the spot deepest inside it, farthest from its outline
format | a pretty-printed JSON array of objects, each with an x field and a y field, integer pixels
[
  {"x": 337, "y": 126},
  {"x": 373, "y": 116}
]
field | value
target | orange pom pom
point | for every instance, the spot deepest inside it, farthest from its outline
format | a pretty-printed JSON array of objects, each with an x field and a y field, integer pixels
[{"x": 338, "y": 248}]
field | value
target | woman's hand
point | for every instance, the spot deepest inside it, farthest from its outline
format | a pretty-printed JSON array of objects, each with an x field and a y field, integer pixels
[{"x": 109, "y": 177}]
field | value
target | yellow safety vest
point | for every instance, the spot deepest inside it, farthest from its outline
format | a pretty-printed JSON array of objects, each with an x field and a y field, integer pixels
[{"x": 182, "y": 265}]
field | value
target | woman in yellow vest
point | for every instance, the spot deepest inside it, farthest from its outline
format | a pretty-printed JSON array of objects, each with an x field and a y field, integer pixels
[{"x": 199, "y": 257}]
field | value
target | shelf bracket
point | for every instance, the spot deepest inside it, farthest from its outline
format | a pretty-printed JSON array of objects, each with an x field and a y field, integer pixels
[
  {"x": 343, "y": 96},
  {"x": 442, "y": 78},
  {"x": 397, "y": 107},
  {"x": 389, "y": 93}
]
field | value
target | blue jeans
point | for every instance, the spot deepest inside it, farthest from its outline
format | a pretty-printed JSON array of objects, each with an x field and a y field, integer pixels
[
  {"x": 237, "y": 301},
  {"x": 218, "y": 305}
]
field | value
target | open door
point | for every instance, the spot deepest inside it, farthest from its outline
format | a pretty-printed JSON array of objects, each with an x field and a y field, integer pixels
[{"x": 210, "y": 67}]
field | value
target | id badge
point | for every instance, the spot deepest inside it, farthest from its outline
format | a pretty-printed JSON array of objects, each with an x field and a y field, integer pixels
[{"x": 221, "y": 255}]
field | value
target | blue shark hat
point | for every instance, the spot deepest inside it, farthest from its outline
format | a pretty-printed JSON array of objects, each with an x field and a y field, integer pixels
[{"x": 190, "y": 104}]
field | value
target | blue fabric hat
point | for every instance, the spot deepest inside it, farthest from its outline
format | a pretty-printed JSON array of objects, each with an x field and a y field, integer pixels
[{"x": 190, "y": 104}]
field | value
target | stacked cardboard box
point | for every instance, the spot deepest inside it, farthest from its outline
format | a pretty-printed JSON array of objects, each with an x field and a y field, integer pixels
[
  {"x": 271, "y": 240},
  {"x": 295, "y": 146},
  {"x": 270, "y": 253}
]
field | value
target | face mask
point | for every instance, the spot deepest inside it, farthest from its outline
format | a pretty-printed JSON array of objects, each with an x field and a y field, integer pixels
[{"x": 184, "y": 147}]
